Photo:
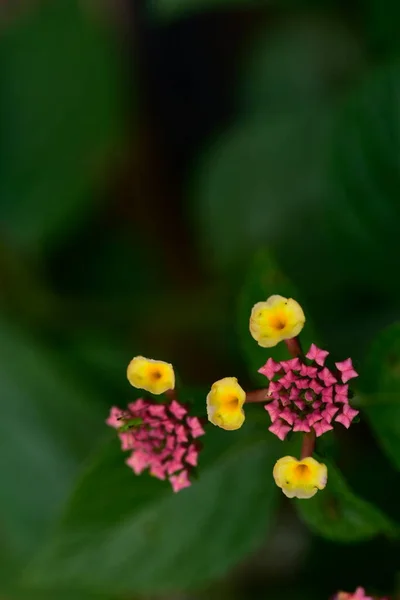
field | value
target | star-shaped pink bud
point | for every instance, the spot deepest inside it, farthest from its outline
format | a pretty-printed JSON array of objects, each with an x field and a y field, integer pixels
[
  {"x": 192, "y": 456},
  {"x": 327, "y": 377},
  {"x": 300, "y": 404},
  {"x": 294, "y": 393},
  {"x": 158, "y": 471},
  {"x": 307, "y": 371},
  {"x": 177, "y": 410},
  {"x": 301, "y": 425},
  {"x": 181, "y": 481},
  {"x": 316, "y": 386},
  {"x": 280, "y": 429},
  {"x": 302, "y": 383},
  {"x": 317, "y": 355},
  {"x": 329, "y": 412},
  {"x": 274, "y": 387},
  {"x": 313, "y": 418},
  {"x": 270, "y": 368},
  {"x": 195, "y": 426},
  {"x": 288, "y": 416},
  {"x": 346, "y": 370},
  {"x": 181, "y": 435},
  {"x": 291, "y": 365},
  {"x": 273, "y": 410},
  {"x": 322, "y": 427},
  {"x": 327, "y": 394},
  {"x": 157, "y": 410},
  {"x": 341, "y": 393},
  {"x": 309, "y": 396},
  {"x": 138, "y": 461},
  {"x": 288, "y": 379}
]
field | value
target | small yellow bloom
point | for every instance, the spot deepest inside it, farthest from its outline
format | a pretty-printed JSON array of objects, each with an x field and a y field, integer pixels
[
  {"x": 154, "y": 376},
  {"x": 300, "y": 478},
  {"x": 225, "y": 402},
  {"x": 275, "y": 320}
]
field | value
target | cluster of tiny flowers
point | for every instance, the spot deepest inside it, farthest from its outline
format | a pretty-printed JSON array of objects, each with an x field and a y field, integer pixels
[
  {"x": 308, "y": 396},
  {"x": 359, "y": 594},
  {"x": 162, "y": 438}
]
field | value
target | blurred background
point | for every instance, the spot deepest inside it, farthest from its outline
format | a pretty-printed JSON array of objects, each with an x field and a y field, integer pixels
[{"x": 163, "y": 166}]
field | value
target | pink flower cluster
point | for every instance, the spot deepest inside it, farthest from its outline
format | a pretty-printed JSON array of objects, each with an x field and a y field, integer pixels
[
  {"x": 359, "y": 594},
  {"x": 162, "y": 439},
  {"x": 306, "y": 396}
]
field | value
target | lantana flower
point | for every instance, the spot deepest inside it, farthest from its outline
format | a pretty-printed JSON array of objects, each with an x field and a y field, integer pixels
[
  {"x": 224, "y": 404},
  {"x": 300, "y": 478},
  {"x": 307, "y": 395},
  {"x": 276, "y": 319},
  {"x": 154, "y": 376},
  {"x": 162, "y": 438},
  {"x": 359, "y": 594}
]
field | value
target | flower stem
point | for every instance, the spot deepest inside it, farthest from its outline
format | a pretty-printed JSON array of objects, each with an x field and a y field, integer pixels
[
  {"x": 294, "y": 347},
  {"x": 257, "y": 395},
  {"x": 308, "y": 445}
]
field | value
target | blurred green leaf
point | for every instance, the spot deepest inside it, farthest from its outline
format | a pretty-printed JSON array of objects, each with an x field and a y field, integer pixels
[
  {"x": 61, "y": 100},
  {"x": 380, "y": 379},
  {"x": 48, "y": 426},
  {"x": 262, "y": 183},
  {"x": 124, "y": 533},
  {"x": 365, "y": 178},
  {"x": 337, "y": 514},
  {"x": 263, "y": 279},
  {"x": 171, "y": 9},
  {"x": 305, "y": 60}
]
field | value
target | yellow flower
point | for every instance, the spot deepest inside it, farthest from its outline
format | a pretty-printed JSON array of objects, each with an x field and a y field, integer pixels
[
  {"x": 225, "y": 402},
  {"x": 154, "y": 376},
  {"x": 300, "y": 478},
  {"x": 275, "y": 320}
]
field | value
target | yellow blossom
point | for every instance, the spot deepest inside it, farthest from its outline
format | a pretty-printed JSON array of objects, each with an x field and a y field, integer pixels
[
  {"x": 154, "y": 376},
  {"x": 300, "y": 478},
  {"x": 276, "y": 319},
  {"x": 225, "y": 402}
]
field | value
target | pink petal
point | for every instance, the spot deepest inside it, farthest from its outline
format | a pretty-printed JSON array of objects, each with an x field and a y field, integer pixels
[
  {"x": 157, "y": 410},
  {"x": 280, "y": 429},
  {"x": 300, "y": 425},
  {"x": 322, "y": 427},
  {"x": 294, "y": 393},
  {"x": 270, "y": 368},
  {"x": 274, "y": 387},
  {"x": 181, "y": 481},
  {"x": 341, "y": 393},
  {"x": 302, "y": 384},
  {"x": 316, "y": 386},
  {"x": 313, "y": 418},
  {"x": 300, "y": 404},
  {"x": 307, "y": 371},
  {"x": 138, "y": 406},
  {"x": 317, "y": 404},
  {"x": 195, "y": 427},
  {"x": 138, "y": 461},
  {"x": 158, "y": 471},
  {"x": 350, "y": 412},
  {"x": 177, "y": 410},
  {"x": 273, "y": 409},
  {"x": 327, "y": 377},
  {"x": 327, "y": 394},
  {"x": 288, "y": 416},
  {"x": 173, "y": 466},
  {"x": 115, "y": 418},
  {"x": 291, "y": 365},
  {"x": 317, "y": 354},
  {"x": 347, "y": 370},
  {"x": 181, "y": 435},
  {"x": 288, "y": 379},
  {"x": 127, "y": 441},
  {"x": 192, "y": 456},
  {"x": 344, "y": 420},
  {"x": 329, "y": 412}
]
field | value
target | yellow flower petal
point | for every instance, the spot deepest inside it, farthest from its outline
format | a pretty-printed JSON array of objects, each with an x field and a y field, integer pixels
[
  {"x": 300, "y": 478},
  {"x": 154, "y": 376},
  {"x": 276, "y": 319},
  {"x": 224, "y": 404}
]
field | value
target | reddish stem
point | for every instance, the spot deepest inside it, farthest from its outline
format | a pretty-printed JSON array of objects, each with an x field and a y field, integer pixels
[
  {"x": 294, "y": 347},
  {"x": 308, "y": 446},
  {"x": 171, "y": 395},
  {"x": 257, "y": 395}
]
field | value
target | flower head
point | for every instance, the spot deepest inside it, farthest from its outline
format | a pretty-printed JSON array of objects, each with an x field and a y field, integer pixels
[
  {"x": 300, "y": 478},
  {"x": 359, "y": 594},
  {"x": 308, "y": 396},
  {"x": 162, "y": 438},
  {"x": 224, "y": 404},
  {"x": 154, "y": 376},
  {"x": 275, "y": 320}
]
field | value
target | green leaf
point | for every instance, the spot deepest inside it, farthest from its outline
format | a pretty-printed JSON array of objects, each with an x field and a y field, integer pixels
[
  {"x": 380, "y": 380},
  {"x": 337, "y": 514},
  {"x": 171, "y": 9},
  {"x": 304, "y": 61},
  {"x": 61, "y": 101},
  {"x": 262, "y": 184},
  {"x": 48, "y": 426},
  {"x": 132, "y": 534},
  {"x": 263, "y": 279}
]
